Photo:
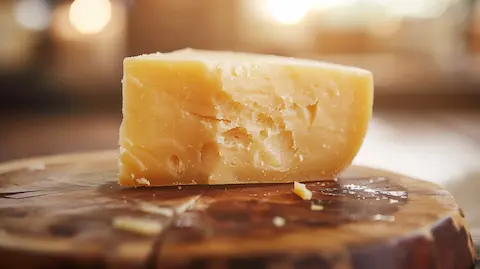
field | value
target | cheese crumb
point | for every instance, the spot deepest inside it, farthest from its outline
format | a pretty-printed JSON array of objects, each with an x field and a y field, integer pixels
[
  {"x": 36, "y": 166},
  {"x": 315, "y": 207},
  {"x": 301, "y": 190},
  {"x": 143, "y": 181},
  {"x": 153, "y": 209},
  {"x": 138, "y": 225},
  {"x": 379, "y": 217},
  {"x": 278, "y": 221}
]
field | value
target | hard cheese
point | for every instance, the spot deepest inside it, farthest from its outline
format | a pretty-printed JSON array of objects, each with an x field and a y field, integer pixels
[{"x": 204, "y": 117}]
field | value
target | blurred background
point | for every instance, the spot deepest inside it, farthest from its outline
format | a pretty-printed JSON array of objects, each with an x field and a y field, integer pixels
[{"x": 61, "y": 67}]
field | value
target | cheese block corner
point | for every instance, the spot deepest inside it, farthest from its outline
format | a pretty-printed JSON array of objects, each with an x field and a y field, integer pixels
[{"x": 213, "y": 117}]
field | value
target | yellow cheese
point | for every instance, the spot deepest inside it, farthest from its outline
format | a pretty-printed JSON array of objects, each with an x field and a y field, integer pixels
[
  {"x": 204, "y": 117},
  {"x": 302, "y": 191}
]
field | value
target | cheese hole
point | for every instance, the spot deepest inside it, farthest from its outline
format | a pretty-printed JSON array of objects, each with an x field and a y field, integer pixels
[
  {"x": 236, "y": 71},
  {"x": 311, "y": 111},
  {"x": 209, "y": 154},
  {"x": 264, "y": 119},
  {"x": 263, "y": 134},
  {"x": 287, "y": 138},
  {"x": 333, "y": 90},
  {"x": 176, "y": 165},
  {"x": 279, "y": 151},
  {"x": 237, "y": 135}
]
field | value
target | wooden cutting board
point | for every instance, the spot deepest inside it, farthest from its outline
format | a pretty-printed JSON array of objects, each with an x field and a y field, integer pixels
[{"x": 69, "y": 212}]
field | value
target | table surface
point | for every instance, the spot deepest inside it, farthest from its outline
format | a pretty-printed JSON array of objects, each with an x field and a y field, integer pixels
[
  {"x": 233, "y": 226},
  {"x": 440, "y": 146}
]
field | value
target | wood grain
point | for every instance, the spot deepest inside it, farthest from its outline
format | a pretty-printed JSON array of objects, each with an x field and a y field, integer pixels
[{"x": 58, "y": 212}]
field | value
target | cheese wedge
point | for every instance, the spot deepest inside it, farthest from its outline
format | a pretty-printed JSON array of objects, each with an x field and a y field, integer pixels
[{"x": 205, "y": 117}]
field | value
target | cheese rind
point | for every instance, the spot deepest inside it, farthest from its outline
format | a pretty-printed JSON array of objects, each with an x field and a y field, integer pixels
[{"x": 203, "y": 117}]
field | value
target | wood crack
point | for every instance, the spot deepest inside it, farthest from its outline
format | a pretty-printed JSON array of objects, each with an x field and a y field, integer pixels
[
  {"x": 153, "y": 259},
  {"x": 21, "y": 194}
]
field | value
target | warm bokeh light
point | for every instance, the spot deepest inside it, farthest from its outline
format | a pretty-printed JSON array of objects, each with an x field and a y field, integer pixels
[
  {"x": 90, "y": 16},
  {"x": 416, "y": 9},
  {"x": 32, "y": 14},
  {"x": 292, "y": 12},
  {"x": 325, "y": 5},
  {"x": 288, "y": 11}
]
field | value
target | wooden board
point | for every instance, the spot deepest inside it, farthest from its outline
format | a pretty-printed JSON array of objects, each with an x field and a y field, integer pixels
[{"x": 58, "y": 212}]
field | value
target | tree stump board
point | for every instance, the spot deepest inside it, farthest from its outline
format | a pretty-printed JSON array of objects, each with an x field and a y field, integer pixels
[{"x": 69, "y": 212}]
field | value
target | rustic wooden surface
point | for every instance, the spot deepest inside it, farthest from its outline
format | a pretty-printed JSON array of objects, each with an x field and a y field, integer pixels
[{"x": 57, "y": 212}]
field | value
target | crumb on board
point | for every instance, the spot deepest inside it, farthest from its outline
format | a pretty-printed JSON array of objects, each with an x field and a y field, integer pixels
[
  {"x": 380, "y": 217},
  {"x": 143, "y": 181},
  {"x": 137, "y": 225},
  {"x": 301, "y": 190},
  {"x": 316, "y": 207},
  {"x": 35, "y": 166},
  {"x": 179, "y": 187},
  {"x": 278, "y": 221},
  {"x": 153, "y": 209}
]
